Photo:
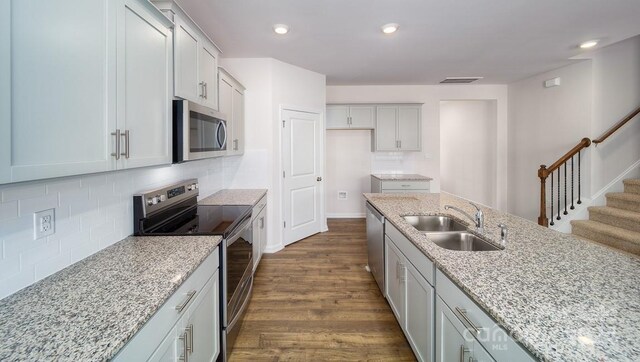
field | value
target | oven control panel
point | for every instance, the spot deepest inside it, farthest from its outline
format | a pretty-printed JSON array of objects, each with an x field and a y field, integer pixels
[{"x": 156, "y": 200}]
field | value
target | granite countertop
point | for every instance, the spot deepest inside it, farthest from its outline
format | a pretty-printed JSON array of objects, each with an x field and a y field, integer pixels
[
  {"x": 562, "y": 298},
  {"x": 401, "y": 177},
  {"x": 89, "y": 310},
  {"x": 234, "y": 197}
]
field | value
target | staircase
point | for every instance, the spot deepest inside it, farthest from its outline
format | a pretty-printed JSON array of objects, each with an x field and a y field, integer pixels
[{"x": 618, "y": 223}]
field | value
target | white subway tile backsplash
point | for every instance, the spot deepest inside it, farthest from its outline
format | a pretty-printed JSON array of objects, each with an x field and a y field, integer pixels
[
  {"x": 13, "y": 193},
  {"x": 92, "y": 212},
  {"x": 9, "y": 210}
]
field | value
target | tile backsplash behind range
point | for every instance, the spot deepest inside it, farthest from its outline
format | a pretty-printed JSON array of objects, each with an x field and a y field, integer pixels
[{"x": 91, "y": 213}]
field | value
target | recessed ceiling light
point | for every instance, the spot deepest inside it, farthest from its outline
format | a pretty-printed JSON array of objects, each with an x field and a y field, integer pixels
[
  {"x": 589, "y": 44},
  {"x": 390, "y": 28},
  {"x": 281, "y": 29}
]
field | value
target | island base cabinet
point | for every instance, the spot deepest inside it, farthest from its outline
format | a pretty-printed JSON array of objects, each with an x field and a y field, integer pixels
[{"x": 411, "y": 299}]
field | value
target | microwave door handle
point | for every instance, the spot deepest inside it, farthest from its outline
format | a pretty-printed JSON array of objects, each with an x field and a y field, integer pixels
[{"x": 222, "y": 126}]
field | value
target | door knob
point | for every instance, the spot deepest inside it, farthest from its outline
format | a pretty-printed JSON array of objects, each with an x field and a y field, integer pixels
[{"x": 319, "y": 178}]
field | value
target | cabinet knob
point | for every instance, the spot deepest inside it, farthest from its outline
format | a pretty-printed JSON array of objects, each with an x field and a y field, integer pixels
[{"x": 319, "y": 179}]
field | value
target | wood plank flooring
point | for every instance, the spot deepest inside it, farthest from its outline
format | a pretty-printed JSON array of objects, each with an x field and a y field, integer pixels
[{"x": 314, "y": 301}]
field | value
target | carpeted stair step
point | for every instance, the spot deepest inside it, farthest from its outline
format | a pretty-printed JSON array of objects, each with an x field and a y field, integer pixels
[
  {"x": 624, "y": 200},
  {"x": 606, "y": 234},
  {"x": 632, "y": 186},
  {"x": 620, "y": 218}
]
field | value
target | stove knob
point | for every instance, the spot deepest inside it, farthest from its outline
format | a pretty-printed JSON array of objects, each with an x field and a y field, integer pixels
[
  {"x": 152, "y": 201},
  {"x": 163, "y": 198},
  {"x": 158, "y": 198},
  {"x": 197, "y": 186}
]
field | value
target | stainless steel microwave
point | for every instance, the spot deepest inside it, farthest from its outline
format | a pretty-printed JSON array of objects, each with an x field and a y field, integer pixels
[{"x": 198, "y": 132}]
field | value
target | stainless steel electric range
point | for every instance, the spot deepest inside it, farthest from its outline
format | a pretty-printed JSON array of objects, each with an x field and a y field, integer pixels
[{"x": 174, "y": 210}]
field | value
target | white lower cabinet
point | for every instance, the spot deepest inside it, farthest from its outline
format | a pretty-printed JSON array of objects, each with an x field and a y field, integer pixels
[
  {"x": 187, "y": 326},
  {"x": 411, "y": 299},
  {"x": 259, "y": 230}
]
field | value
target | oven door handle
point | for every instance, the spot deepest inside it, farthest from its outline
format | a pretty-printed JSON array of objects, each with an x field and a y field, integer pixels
[
  {"x": 243, "y": 307},
  {"x": 245, "y": 224}
]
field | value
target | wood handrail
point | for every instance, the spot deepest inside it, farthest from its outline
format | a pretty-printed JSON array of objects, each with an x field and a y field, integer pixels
[
  {"x": 544, "y": 172},
  {"x": 617, "y": 126}
]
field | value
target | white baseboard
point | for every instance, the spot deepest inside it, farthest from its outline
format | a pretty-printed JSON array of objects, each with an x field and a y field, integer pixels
[
  {"x": 270, "y": 249},
  {"x": 355, "y": 215},
  {"x": 598, "y": 199}
]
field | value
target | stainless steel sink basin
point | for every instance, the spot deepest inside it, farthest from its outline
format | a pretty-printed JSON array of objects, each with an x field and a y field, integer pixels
[
  {"x": 463, "y": 241},
  {"x": 434, "y": 223}
]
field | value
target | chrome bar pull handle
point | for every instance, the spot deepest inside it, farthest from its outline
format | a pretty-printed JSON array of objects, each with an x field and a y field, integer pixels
[
  {"x": 464, "y": 351},
  {"x": 469, "y": 324},
  {"x": 126, "y": 144},
  {"x": 189, "y": 332},
  {"x": 235, "y": 144},
  {"x": 185, "y": 347},
  {"x": 116, "y": 154},
  {"x": 201, "y": 84},
  {"x": 206, "y": 91},
  {"x": 180, "y": 307}
]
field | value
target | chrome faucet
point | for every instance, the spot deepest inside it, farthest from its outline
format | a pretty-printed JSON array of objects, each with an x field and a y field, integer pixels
[
  {"x": 503, "y": 234},
  {"x": 478, "y": 218}
]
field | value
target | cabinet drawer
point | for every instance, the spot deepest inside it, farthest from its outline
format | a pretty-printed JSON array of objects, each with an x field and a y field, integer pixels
[
  {"x": 405, "y": 185},
  {"x": 411, "y": 252},
  {"x": 259, "y": 206},
  {"x": 147, "y": 339},
  {"x": 489, "y": 334}
]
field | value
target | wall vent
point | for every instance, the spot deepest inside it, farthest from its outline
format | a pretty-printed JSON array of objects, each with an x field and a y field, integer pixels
[{"x": 459, "y": 80}]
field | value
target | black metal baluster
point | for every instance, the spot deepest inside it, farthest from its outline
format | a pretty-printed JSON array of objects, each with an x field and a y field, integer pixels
[
  {"x": 565, "y": 189},
  {"x": 558, "y": 218},
  {"x": 551, "y": 223},
  {"x": 572, "y": 207},
  {"x": 579, "y": 192}
]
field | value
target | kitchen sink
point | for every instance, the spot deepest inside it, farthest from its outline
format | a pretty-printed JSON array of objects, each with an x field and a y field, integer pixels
[
  {"x": 434, "y": 223},
  {"x": 463, "y": 241}
]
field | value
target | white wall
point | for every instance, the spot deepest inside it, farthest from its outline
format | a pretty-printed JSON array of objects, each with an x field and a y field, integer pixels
[
  {"x": 91, "y": 212},
  {"x": 468, "y": 150},
  {"x": 616, "y": 84},
  {"x": 271, "y": 85},
  {"x": 426, "y": 162},
  {"x": 347, "y": 171},
  {"x": 545, "y": 123}
]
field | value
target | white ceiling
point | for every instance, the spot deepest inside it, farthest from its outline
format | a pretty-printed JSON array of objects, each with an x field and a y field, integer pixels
[{"x": 500, "y": 40}]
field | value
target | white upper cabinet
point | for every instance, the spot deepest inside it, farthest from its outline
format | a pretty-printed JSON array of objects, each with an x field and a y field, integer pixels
[
  {"x": 344, "y": 116},
  {"x": 64, "y": 92},
  {"x": 196, "y": 58},
  {"x": 398, "y": 128},
  {"x": 231, "y": 99},
  {"x": 144, "y": 90}
]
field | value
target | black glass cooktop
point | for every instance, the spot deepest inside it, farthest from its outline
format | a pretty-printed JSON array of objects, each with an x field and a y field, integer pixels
[{"x": 195, "y": 220}]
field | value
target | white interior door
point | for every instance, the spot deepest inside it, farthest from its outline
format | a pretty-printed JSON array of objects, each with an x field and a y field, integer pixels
[{"x": 302, "y": 179}]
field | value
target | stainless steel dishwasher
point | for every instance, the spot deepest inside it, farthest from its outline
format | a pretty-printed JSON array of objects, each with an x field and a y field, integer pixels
[{"x": 375, "y": 244}]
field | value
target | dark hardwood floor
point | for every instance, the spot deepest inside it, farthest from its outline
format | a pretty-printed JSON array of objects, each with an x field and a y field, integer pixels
[{"x": 314, "y": 301}]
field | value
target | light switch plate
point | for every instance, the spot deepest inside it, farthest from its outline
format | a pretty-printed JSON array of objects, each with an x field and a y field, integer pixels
[
  {"x": 44, "y": 223},
  {"x": 342, "y": 195}
]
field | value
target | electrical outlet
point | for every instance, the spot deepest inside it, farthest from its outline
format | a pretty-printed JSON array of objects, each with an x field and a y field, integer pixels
[
  {"x": 44, "y": 223},
  {"x": 342, "y": 195}
]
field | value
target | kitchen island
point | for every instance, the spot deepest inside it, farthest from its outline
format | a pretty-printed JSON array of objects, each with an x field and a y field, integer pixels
[{"x": 560, "y": 297}]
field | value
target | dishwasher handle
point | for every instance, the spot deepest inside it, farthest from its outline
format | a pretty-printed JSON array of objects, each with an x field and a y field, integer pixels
[{"x": 375, "y": 212}]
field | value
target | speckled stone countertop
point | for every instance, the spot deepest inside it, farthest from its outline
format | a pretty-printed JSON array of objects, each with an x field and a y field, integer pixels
[
  {"x": 546, "y": 288},
  {"x": 234, "y": 197},
  {"x": 89, "y": 310},
  {"x": 401, "y": 177}
]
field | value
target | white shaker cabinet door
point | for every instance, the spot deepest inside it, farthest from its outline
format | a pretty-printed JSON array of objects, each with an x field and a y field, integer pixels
[
  {"x": 57, "y": 99},
  {"x": 419, "y": 313},
  {"x": 208, "y": 64},
  {"x": 237, "y": 143},
  {"x": 409, "y": 130},
  {"x": 451, "y": 344},
  {"x": 385, "y": 132},
  {"x": 202, "y": 323},
  {"x": 168, "y": 350},
  {"x": 337, "y": 117},
  {"x": 362, "y": 117},
  {"x": 395, "y": 280},
  {"x": 186, "y": 62},
  {"x": 144, "y": 91}
]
